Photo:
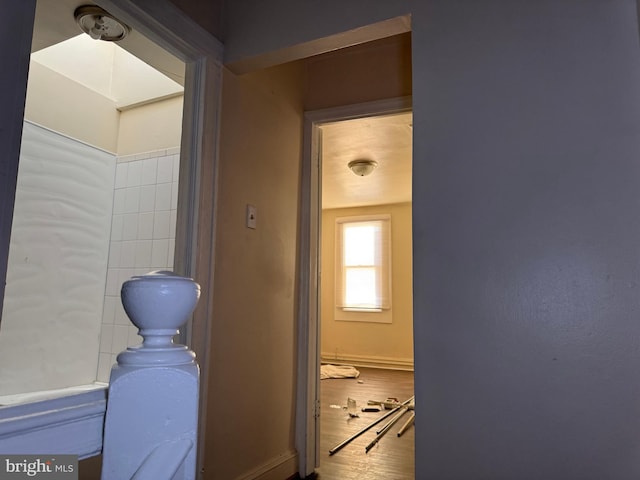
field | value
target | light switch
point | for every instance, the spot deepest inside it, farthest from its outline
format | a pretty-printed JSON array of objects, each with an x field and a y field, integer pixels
[{"x": 252, "y": 216}]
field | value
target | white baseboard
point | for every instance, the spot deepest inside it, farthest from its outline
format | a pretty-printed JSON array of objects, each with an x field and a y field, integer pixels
[
  {"x": 278, "y": 468},
  {"x": 66, "y": 425},
  {"x": 368, "y": 361}
]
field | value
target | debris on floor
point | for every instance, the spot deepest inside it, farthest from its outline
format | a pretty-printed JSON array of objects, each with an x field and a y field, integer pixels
[
  {"x": 338, "y": 371},
  {"x": 352, "y": 408},
  {"x": 396, "y": 410}
]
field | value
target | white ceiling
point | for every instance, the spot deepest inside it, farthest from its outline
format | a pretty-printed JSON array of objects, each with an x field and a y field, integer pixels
[
  {"x": 385, "y": 139},
  {"x": 127, "y": 72}
]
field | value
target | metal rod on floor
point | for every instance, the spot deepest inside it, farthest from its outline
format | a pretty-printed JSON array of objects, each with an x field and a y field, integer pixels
[
  {"x": 392, "y": 421},
  {"x": 385, "y": 429},
  {"x": 407, "y": 424},
  {"x": 374, "y": 423}
]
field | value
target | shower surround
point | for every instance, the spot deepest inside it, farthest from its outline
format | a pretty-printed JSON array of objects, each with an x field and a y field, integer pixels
[{"x": 85, "y": 221}]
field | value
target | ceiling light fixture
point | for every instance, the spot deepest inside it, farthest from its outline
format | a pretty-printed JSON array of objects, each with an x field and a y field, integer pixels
[
  {"x": 362, "y": 167},
  {"x": 100, "y": 24}
]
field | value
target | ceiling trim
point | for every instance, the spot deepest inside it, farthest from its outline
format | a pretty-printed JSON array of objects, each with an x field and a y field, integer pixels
[
  {"x": 358, "y": 110},
  {"x": 184, "y": 38}
]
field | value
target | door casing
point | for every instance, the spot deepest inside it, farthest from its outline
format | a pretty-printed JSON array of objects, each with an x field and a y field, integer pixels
[{"x": 308, "y": 381}]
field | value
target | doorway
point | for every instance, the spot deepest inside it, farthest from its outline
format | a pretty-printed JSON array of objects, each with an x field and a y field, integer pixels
[
  {"x": 333, "y": 344},
  {"x": 96, "y": 201},
  {"x": 366, "y": 287}
]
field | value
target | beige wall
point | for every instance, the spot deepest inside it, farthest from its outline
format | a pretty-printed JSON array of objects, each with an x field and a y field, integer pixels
[
  {"x": 151, "y": 127},
  {"x": 60, "y": 104},
  {"x": 365, "y": 343},
  {"x": 373, "y": 71},
  {"x": 252, "y": 346},
  {"x": 251, "y": 398},
  {"x": 363, "y": 73},
  {"x": 57, "y": 103}
]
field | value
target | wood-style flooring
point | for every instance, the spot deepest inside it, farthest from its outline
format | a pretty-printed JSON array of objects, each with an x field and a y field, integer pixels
[{"x": 392, "y": 458}]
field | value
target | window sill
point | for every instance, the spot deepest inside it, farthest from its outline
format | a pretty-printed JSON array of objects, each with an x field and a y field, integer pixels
[
  {"x": 383, "y": 316},
  {"x": 66, "y": 425}
]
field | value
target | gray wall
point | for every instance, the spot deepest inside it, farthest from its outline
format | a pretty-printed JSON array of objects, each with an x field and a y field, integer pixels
[
  {"x": 527, "y": 242},
  {"x": 254, "y": 27},
  {"x": 526, "y": 227},
  {"x": 15, "y": 42}
]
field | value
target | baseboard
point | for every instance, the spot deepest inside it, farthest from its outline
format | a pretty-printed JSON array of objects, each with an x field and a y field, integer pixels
[
  {"x": 282, "y": 466},
  {"x": 66, "y": 425},
  {"x": 368, "y": 361}
]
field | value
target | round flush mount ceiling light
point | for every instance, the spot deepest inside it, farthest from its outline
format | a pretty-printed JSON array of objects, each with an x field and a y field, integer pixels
[
  {"x": 362, "y": 167},
  {"x": 100, "y": 24}
]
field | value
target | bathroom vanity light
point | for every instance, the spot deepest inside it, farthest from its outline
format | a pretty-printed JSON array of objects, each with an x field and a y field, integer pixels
[
  {"x": 100, "y": 24},
  {"x": 362, "y": 167}
]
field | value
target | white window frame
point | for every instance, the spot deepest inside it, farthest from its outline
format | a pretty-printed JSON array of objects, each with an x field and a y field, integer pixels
[{"x": 346, "y": 313}]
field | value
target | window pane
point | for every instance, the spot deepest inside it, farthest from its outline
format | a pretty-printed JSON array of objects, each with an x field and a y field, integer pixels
[
  {"x": 359, "y": 244},
  {"x": 361, "y": 288}
]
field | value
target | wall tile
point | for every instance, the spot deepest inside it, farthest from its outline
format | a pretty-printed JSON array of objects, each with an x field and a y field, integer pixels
[
  {"x": 114, "y": 254},
  {"x": 144, "y": 155},
  {"x": 106, "y": 337},
  {"x": 132, "y": 200},
  {"x": 121, "y": 317},
  {"x": 170, "y": 256},
  {"x": 121, "y": 175},
  {"x": 128, "y": 254},
  {"x": 149, "y": 171},
  {"x": 142, "y": 232},
  {"x": 145, "y": 226},
  {"x": 104, "y": 367},
  {"x": 163, "y": 196},
  {"x": 176, "y": 166},
  {"x": 147, "y": 198},
  {"x": 118, "y": 201},
  {"x": 143, "y": 253},
  {"x": 159, "y": 253},
  {"x": 112, "y": 281},
  {"x": 172, "y": 223},
  {"x": 161, "y": 224},
  {"x": 174, "y": 195},
  {"x": 134, "y": 174},
  {"x": 120, "y": 338},
  {"x": 134, "y": 338},
  {"x": 124, "y": 274},
  {"x": 109, "y": 308},
  {"x": 130, "y": 226},
  {"x": 116, "y": 228},
  {"x": 165, "y": 170}
]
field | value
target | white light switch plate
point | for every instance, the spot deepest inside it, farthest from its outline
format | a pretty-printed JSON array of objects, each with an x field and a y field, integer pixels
[{"x": 252, "y": 216}]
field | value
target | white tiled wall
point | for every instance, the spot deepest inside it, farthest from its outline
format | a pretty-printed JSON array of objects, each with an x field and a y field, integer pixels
[{"x": 143, "y": 233}]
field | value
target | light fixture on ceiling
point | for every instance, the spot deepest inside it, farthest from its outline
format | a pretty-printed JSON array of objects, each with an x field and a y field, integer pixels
[
  {"x": 100, "y": 24},
  {"x": 362, "y": 167}
]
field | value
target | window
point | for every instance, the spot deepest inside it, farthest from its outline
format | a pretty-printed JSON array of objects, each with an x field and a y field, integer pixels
[{"x": 363, "y": 268}]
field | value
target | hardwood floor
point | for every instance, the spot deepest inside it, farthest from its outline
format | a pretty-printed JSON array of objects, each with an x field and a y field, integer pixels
[{"x": 392, "y": 458}]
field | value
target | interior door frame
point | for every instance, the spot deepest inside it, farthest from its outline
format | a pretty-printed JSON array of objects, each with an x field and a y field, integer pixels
[
  {"x": 308, "y": 381},
  {"x": 166, "y": 25}
]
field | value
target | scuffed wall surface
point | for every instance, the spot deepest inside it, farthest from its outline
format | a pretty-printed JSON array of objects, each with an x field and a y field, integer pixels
[{"x": 251, "y": 398}]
